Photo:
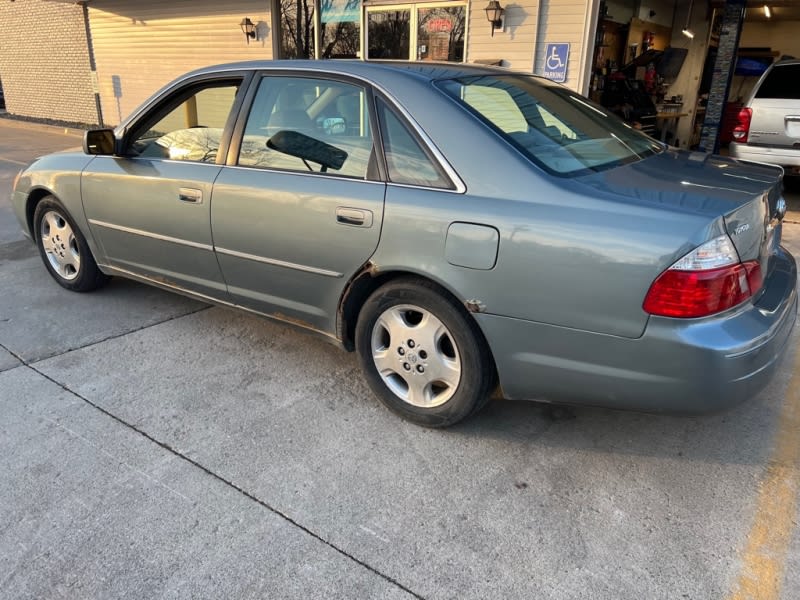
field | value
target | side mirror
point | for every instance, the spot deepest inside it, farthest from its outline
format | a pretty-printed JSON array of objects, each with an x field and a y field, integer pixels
[{"x": 99, "y": 141}]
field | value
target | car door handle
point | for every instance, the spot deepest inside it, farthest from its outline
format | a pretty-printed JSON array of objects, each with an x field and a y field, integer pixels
[
  {"x": 356, "y": 217},
  {"x": 190, "y": 195}
]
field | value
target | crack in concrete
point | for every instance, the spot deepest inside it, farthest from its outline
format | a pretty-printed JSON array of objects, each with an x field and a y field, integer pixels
[
  {"x": 36, "y": 360},
  {"x": 207, "y": 471}
]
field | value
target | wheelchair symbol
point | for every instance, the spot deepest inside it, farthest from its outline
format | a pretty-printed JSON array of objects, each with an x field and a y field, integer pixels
[{"x": 554, "y": 62}]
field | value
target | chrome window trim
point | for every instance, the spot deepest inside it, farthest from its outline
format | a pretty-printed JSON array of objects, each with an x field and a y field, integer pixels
[
  {"x": 304, "y": 173},
  {"x": 172, "y": 161},
  {"x": 150, "y": 234},
  {"x": 422, "y": 187},
  {"x": 279, "y": 263}
]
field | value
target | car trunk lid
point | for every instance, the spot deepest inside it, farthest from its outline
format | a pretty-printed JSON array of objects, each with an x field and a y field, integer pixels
[{"x": 747, "y": 196}]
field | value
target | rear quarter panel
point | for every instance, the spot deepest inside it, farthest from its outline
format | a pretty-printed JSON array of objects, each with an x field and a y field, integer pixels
[
  {"x": 564, "y": 258},
  {"x": 568, "y": 255}
]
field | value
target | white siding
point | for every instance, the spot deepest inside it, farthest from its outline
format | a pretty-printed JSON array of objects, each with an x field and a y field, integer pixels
[
  {"x": 141, "y": 46},
  {"x": 514, "y": 45},
  {"x": 563, "y": 21},
  {"x": 529, "y": 26}
]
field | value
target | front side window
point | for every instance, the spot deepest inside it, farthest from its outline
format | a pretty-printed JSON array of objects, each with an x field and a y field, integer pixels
[
  {"x": 308, "y": 125},
  {"x": 553, "y": 126},
  {"x": 189, "y": 127}
]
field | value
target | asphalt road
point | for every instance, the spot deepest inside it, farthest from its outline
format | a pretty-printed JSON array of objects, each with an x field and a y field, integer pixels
[{"x": 155, "y": 447}]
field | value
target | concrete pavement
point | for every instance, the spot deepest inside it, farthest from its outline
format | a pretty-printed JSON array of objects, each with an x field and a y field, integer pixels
[{"x": 151, "y": 446}]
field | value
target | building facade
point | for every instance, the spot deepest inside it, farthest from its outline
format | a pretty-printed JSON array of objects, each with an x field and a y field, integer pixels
[
  {"x": 95, "y": 61},
  {"x": 44, "y": 61}
]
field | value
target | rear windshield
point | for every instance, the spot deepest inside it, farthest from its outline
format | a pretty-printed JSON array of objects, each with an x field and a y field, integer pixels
[
  {"x": 556, "y": 128},
  {"x": 783, "y": 81}
]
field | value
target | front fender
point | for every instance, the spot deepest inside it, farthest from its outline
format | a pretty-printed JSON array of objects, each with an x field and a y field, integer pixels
[{"x": 58, "y": 175}]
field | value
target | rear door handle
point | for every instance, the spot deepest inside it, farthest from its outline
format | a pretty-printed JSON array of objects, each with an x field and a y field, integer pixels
[
  {"x": 190, "y": 195},
  {"x": 356, "y": 217}
]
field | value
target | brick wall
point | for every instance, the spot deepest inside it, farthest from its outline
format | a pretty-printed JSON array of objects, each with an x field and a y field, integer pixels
[{"x": 44, "y": 61}]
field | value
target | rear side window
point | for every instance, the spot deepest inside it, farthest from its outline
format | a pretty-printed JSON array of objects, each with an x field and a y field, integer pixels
[
  {"x": 407, "y": 162},
  {"x": 781, "y": 82}
]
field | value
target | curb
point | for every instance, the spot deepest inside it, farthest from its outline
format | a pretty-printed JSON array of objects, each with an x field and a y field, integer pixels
[{"x": 33, "y": 125}]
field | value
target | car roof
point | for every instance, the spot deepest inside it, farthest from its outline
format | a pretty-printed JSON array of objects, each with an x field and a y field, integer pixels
[{"x": 421, "y": 70}]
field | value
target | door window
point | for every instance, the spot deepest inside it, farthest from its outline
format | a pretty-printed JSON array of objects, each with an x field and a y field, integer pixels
[
  {"x": 189, "y": 126},
  {"x": 308, "y": 125}
]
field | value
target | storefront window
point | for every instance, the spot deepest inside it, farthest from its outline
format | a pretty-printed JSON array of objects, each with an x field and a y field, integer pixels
[
  {"x": 297, "y": 28},
  {"x": 440, "y": 33},
  {"x": 413, "y": 31},
  {"x": 341, "y": 28},
  {"x": 389, "y": 33},
  {"x": 417, "y": 32}
]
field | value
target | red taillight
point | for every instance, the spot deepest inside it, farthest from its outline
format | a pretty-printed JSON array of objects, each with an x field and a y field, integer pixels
[
  {"x": 686, "y": 294},
  {"x": 742, "y": 128}
]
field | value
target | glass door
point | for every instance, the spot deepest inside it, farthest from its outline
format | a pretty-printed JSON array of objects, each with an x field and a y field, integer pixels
[
  {"x": 389, "y": 34},
  {"x": 440, "y": 33},
  {"x": 432, "y": 32}
]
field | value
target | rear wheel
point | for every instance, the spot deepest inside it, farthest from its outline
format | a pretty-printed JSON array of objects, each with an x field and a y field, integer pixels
[
  {"x": 64, "y": 249},
  {"x": 422, "y": 354}
]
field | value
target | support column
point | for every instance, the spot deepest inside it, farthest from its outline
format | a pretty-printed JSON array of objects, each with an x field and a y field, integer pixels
[{"x": 732, "y": 19}]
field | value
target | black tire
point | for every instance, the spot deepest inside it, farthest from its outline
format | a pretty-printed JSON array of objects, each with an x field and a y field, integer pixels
[
  {"x": 447, "y": 340},
  {"x": 63, "y": 248}
]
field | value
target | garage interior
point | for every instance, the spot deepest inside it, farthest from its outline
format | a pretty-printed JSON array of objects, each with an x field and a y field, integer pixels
[{"x": 654, "y": 61}]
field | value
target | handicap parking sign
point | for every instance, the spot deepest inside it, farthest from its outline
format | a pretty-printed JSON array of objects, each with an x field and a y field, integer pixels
[{"x": 555, "y": 62}]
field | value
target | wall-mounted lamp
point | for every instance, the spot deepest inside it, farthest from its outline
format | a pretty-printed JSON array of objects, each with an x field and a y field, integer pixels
[
  {"x": 494, "y": 13},
  {"x": 686, "y": 31},
  {"x": 249, "y": 29},
  {"x": 767, "y": 12}
]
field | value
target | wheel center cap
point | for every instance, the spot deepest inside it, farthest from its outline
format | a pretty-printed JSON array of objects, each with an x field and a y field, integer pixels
[{"x": 412, "y": 358}]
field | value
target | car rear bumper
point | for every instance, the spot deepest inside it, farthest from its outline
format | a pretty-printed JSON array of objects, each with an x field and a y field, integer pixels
[
  {"x": 788, "y": 158},
  {"x": 678, "y": 365}
]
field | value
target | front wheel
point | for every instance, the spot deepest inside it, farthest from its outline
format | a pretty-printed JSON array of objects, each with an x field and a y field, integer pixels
[
  {"x": 64, "y": 249},
  {"x": 422, "y": 355}
]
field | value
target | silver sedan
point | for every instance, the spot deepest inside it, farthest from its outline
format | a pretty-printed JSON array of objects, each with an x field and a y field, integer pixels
[{"x": 468, "y": 231}]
